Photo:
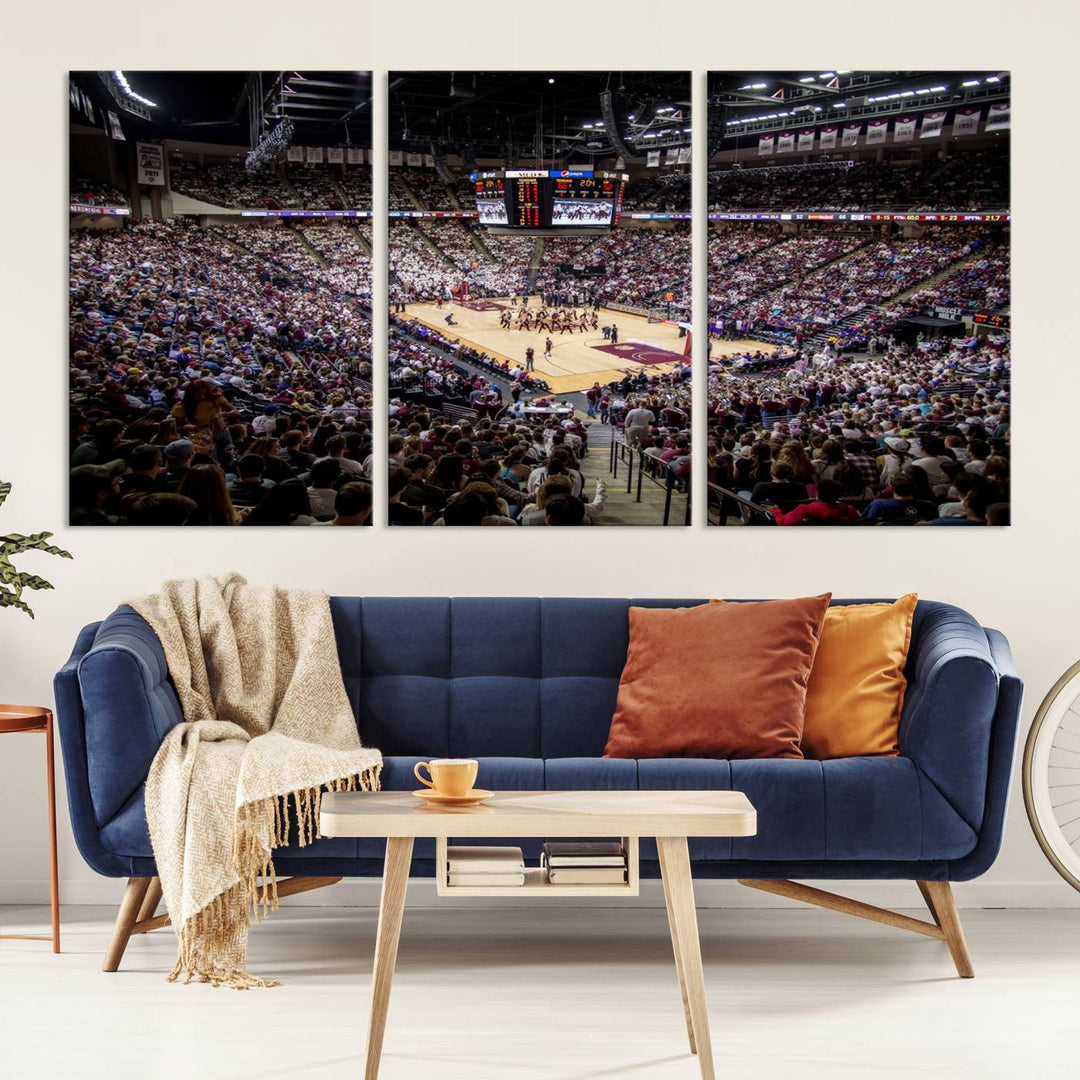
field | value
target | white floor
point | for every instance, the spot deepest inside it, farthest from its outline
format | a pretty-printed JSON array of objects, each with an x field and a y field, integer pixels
[{"x": 541, "y": 993}]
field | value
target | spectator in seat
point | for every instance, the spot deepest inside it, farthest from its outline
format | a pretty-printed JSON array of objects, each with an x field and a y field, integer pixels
[
  {"x": 782, "y": 490},
  {"x": 401, "y": 513},
  {"x": 205, "y": 485},
  {"x": 322, "y": 489},
  {"x": 825, "y": 509},
  {"x": 901, "y": 507},
  {"x": 564, "y": 510},
  {"x": 352, "y": 505},
  {"x": 250, "y": 486},
  {"x": 286, "y": 503}
]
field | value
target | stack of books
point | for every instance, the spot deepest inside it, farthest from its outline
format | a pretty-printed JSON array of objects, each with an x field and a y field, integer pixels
[
  {"x": 592, "y": 863},
  {"x": 485, "y": 866}
]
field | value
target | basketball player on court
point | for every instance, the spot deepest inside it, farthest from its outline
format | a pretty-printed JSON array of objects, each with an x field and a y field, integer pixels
[{"x": 547, "y": 349}]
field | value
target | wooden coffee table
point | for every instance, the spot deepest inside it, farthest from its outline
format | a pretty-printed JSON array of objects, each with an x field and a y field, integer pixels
[{"x": 669, "y": 816}]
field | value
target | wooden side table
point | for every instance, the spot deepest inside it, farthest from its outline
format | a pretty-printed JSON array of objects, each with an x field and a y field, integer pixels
[{"x": 22, "y": 718}]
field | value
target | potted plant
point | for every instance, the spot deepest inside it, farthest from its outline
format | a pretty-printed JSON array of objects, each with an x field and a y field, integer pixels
[{"x": 12, "y": 580}]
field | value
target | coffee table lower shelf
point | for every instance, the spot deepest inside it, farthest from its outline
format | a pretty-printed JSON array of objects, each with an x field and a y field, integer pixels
[{"x": 536, "y": 882}]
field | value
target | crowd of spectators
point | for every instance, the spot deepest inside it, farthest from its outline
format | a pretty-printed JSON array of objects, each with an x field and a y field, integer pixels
[
  {"x": 661, "y": 191},
  {"x": 95, "y": 193},
  {"x": 428, "y": 188},
  {"x": 292, "y": 185},
  {"x": 917, "y": 434},
  {"x": 752, "y": 260},
  {"x": 860, "y": 283},
  {"x": 959, "y": 181},
  {"x": 494, "y": 470},
  {"x": 209, "y": 381}
]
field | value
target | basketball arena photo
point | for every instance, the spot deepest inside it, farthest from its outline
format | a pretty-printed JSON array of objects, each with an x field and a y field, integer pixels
[
  {"x": 220, "y": 298},
  {"x": 858, "y": 298},
  {"x": 539, "y": 288}
]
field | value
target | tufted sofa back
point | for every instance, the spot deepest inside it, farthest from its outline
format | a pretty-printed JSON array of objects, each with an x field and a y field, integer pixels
[{"x": 484, "y": 677}]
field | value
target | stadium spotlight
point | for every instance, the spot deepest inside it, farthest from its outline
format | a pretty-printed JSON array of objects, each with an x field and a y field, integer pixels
[
  {"x": 126, "y": 87},
  {"x": 550, "y": 81}
]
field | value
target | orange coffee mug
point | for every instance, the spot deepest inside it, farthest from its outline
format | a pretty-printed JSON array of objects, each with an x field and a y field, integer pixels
[{"x": 449, "y": 776}]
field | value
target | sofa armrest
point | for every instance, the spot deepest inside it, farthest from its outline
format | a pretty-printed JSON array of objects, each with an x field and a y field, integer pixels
[
  {"x": 128, "y": 704},
  {"x": 949, "y": 707},
  {"x": 1003, "y": 745}
]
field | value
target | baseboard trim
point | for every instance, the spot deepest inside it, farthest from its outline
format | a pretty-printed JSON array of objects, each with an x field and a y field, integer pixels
[{"x": 364, "y": 893}]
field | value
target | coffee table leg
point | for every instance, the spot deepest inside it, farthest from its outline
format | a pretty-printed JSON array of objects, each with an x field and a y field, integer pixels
[
  {"x": 677, "y": 950},
  {"x": 679, "y": 886},
  {"x": 391, "y": 908}
]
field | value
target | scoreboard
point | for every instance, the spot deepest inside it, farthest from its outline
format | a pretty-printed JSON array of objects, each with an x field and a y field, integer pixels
[
  {"x": 491, "y": 201},
  {"x": 549, "y": 199},
  {"x": 527, "y": 203}
]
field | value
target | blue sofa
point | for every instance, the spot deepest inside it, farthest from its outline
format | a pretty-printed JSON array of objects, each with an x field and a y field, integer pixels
[{"x": 528, "y": 686}]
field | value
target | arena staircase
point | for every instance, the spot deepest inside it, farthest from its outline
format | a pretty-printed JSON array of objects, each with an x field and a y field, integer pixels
[
  {"x": 287, "y": 184},
  {"x": 431, "y": 245},
  {"x": 926, "y": 283},
  {"x": 409, "y": 193},
  {"x": 315, "y": 252},
  {"x": 621, "y": 507},
  {"x": 455, "y": 202},
  {"x": 477, "y": 242},
  {"x": 361, "y": 241},
  {"x": 339, "y": 191}
]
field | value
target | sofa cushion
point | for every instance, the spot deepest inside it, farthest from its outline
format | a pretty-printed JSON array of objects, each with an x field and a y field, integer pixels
[
  {"x": 720, "y": 681},
  {"x": 856, "y": 690}
]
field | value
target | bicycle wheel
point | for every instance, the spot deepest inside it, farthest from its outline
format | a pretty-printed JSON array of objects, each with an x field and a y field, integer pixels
[{"x": 1052, "y": 776}]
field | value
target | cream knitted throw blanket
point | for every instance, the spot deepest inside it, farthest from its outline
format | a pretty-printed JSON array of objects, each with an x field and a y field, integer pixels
[{"x": 266, "y": 721}]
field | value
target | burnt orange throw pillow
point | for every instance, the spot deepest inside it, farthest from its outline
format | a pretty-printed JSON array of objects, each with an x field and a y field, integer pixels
[
  {"x": 718, "y": 680},
  {"x": 856, "y": 690}
]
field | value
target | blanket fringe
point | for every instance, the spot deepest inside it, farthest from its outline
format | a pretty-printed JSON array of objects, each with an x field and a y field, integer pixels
[{"x": 213, "y": 942}]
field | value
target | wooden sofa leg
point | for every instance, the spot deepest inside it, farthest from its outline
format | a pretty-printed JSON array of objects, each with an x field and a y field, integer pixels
[
  {"x": 939, "y": 899},
  {"x": 134, "y": 894},
  {"x": 937, "y": 894},
  {"x": 150, "y": 902}
]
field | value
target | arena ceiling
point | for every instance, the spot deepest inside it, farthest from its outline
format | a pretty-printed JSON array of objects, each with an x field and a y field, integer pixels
[
  {"x": 742, "y": 102},
  {"x": 229, "y": 107},
  {"x": 540, "y": 113}
]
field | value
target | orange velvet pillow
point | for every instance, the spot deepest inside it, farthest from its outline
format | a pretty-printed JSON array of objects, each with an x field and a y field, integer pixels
[
  {"x": 720, "y": 681},
  {"x": 856, "y": 690}
]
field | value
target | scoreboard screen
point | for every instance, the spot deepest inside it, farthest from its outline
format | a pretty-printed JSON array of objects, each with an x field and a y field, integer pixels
[
  {"x": 527, "y": 204},
  {"x": 491, "y": 201},
  {"x": 546, "y": 199}
]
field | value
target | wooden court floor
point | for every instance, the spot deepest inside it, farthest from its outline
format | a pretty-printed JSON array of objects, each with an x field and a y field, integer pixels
[{"x": 574, "y": 364}]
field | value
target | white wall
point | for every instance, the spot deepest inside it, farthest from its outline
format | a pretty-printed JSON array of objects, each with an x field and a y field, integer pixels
[{"x": 1022, "y": 580}]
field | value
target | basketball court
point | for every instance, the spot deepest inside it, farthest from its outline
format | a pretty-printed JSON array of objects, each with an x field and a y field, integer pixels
[{"x": 577, "y": 360}]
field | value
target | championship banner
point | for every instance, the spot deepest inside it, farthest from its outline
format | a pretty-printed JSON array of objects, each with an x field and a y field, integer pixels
[
  {"x": 827, "y": 141},
  {"x": 354, "y": 156},
  {"x": 904, "y": 129},
  {"x": 314, "y": 155},
  {"x": 851, "y": 134},
  {"x": 806, "y": 140},
  {"x": 294, "y": 153},
  {"x": 876, "y": 131},
  {"x": 335, "y": 155},
  {"x": 997, "y": 118},
  {"x": 931, "y": 125},
  {"x": 764, "y": 145},
  {"x": 414, "y": 161},
  {"x": 151, "y": 160},
  {"x": 115, "y": 130},
  {"x": 653, "y": 159},
  {"x": 397, "y": 157},
  {"x": 684, "y": 155},
  {"x": 429, "y": 161},
  {"x": 965, "y": 121},
  {"x": 672, "y": 156},
  {"x": 785, "y": 144}
]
